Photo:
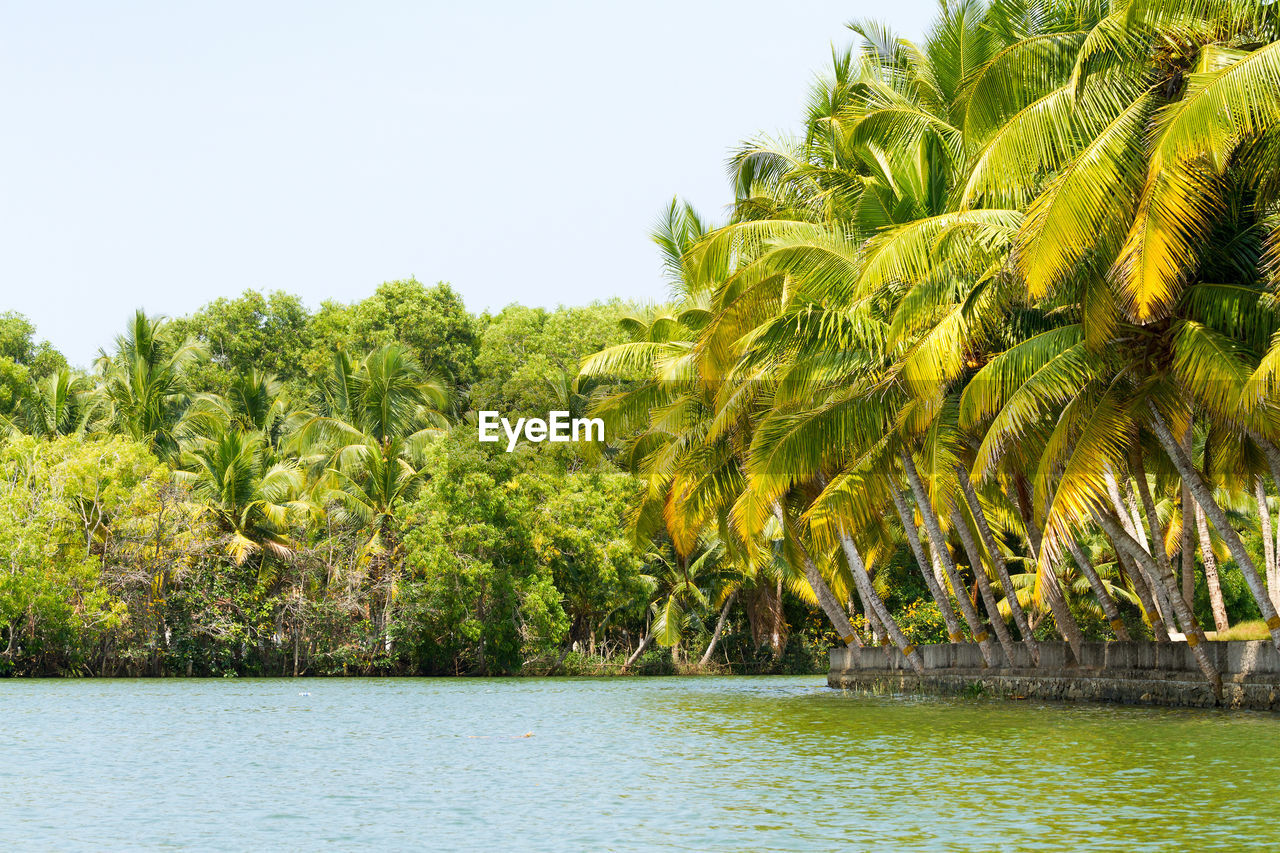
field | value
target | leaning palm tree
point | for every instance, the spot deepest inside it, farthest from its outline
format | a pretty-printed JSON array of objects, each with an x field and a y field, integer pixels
[{"x": 1022, "y": 265}]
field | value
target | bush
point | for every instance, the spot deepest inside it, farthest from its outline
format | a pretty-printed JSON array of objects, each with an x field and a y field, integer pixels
[
  {"x": 922, "y": 622},
  {"x": 1239, "y": 601}
]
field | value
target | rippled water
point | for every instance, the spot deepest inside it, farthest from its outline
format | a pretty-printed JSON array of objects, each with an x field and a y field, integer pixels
[{"x": 622, "y": 764}]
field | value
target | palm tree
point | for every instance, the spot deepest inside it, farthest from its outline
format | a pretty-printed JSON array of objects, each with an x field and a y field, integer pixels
[
  {"x": 253, "y": 498},
  {"x": 144, "y": 384},
  {"x": 62, "y": 403},
  {"x": 260, "y": 402},
  {"x": 368, "y": 441},
  {"x": 1025, "y": 257}
]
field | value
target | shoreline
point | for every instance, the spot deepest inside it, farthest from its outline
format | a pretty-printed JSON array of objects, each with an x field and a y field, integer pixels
[{"x": 1133, "y": 673}]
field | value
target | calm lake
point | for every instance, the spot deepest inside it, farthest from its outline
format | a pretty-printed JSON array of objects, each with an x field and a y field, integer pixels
[{"x": 622, "y": 764}]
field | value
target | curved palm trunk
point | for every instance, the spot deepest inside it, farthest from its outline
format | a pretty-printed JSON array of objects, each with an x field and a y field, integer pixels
[
  {"x": 984, "y": 583},
  {"x": 779, "y": 622},
  {"x": 1157, "y": 588},
  {"x": 1066, "y": 624},
  {"x": 1157, "y": 618},
  {"x": 868, "y": 594},
  {"x": 1138, "y": 578},
  {"x": 835, "y": 613},
  {"x": 640, "y": 649},
  {"x": 1188, "y": 558},
  {"x": 715, "y": 635},
  {"x": 917, "y": 550},
  {"x": 1108, "y": 603},
  {"x": 998, "y": 561},
  {"x": 939, "y": 545},
  {"x": 1272, "y": 455},
  {"x": 1211, "y": 579},
  {"x": 1268, "y": 546},
  {"x": 879, "y": 637},
  {"x": 1163, "y": 566},
  {"x": 1219, "y": 518},
  {"x": 1139, "y": 533},
  {"x": 1195, "y": 637}
]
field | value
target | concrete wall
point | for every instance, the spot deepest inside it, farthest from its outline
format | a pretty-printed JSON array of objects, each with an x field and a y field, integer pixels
[{"x": 1150, "y": 673}]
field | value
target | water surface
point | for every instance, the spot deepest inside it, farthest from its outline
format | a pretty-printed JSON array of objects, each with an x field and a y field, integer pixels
[{"x": 617, "y": 764}]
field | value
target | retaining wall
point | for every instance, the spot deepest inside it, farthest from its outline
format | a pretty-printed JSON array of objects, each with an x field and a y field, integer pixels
[{"x": 1135, "y": 673}]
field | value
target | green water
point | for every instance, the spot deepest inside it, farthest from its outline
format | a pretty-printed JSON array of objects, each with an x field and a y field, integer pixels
[{"x": 624, "y": 764}]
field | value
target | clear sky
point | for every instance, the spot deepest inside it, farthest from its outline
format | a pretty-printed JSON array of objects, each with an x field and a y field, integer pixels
[{"x": 162, "y": 154}]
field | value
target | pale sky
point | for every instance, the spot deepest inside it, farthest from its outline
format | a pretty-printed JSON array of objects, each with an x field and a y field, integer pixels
[{"x": 160, "y": 154}]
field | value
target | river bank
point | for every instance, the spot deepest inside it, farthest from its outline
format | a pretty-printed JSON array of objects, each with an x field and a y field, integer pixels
[{"x": 1126, "y": 673}]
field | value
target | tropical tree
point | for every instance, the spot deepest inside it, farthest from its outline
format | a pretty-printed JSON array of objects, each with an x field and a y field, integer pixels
[
  {"x": 368, "y": 442},
  {"x": 254, "y": 499},
  {"x": 144, "y": 384},
  {"x": 62, "y": 403}
]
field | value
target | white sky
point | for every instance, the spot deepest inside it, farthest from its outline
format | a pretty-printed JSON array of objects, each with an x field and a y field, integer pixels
[{"x": 161, "y": 154}]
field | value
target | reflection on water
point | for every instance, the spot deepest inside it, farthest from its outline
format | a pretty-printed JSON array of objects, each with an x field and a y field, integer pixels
[{"x": 622, "y": 764}]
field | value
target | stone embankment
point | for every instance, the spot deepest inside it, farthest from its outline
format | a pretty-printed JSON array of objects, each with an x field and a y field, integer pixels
[{"x": 1133, "y": 673}]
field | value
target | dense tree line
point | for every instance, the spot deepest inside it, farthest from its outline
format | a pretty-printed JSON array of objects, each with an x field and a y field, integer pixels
[
  {"x": 987, "y": 352},
  {"x": 262, "y": 488}
]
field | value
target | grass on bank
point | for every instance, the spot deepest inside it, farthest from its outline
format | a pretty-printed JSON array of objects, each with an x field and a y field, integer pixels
[{"x": 1254, "y": 629}]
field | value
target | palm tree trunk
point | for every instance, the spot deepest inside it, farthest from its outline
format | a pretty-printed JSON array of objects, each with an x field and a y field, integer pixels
[
  {"x": 835, "y": 613},
  {"x": 1211, "y": 579},
  {"x": 640, "y": 649},
  {"x": 879, "y": 636},
  {"x": 1157, "y": 550},
  {"x": 1100, "y": 592},
  {"x": 1268, "y": 546},
  {"x": 715, "y": 635},
  {"x": 1142, "y": 584},
  {"x": 1195, "y": 637},
  {"x": 779, "y": 620},
  {"x": 1219, "y": 518},
  {"x": 984, "y": 583},
  {"x": 1067, "y": 626},
  {"x": 907, "y": 517},
  {"x": 998, "y": 561},
  {"x": 939, "y": 545},
  {"x": 1272, "y": 455},
  {"x": 1188, "y": 558},
  {"x": 1139, "y": 534},
  {"x": 868, "y": 594},
  {"x": 1138, "y": 578}
]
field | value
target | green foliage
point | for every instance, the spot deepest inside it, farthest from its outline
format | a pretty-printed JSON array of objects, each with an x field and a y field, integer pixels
[
  {"x": 922, "y": 622},
  {"x": 431, "y": 321},
  {"x": 526, "y": 354},
  {"x": 22, "y": 361},
  {"x": 57, "y": 502},
  {"x": 477, "y": 594},
  {"x": 252, "y": 332},
  {"x": 1240, "y": 604},
  {"x": 1021, "y": 255}
]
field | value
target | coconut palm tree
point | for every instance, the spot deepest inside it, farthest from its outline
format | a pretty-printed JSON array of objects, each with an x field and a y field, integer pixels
[
  {"x": 144, "y": 383},
  {"x": 62, "y": 403},
  {"x": 367, "y": 445},
  {"x": 253, "y": 498},
  {"x": 1019, "y": 262}
]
